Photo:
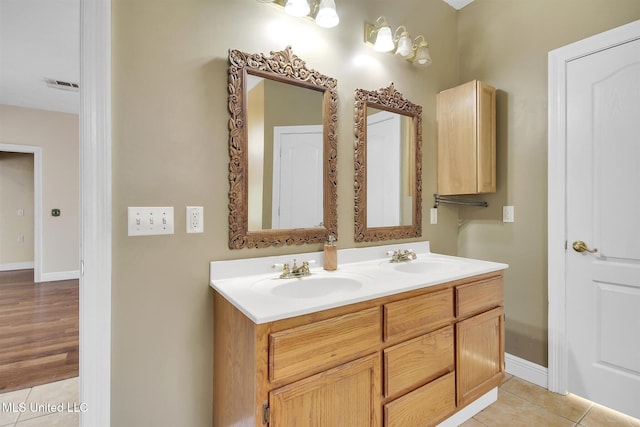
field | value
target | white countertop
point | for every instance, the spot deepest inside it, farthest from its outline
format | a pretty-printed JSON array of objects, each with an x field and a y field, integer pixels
[{"x": 248, "y": 283}]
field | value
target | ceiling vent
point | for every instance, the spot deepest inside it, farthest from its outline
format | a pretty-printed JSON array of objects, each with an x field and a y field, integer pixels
[{"x": 62, "y": 85}]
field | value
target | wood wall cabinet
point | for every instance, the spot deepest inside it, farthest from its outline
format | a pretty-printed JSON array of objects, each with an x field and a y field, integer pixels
[
  {"x": 466, "y": 118},
  {"x": 411, "y": 359}
]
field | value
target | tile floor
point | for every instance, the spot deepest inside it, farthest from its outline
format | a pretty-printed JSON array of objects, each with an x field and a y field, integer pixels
[
  {"x": 48, "y": 405},
  {"x": 520, "y": 403}
]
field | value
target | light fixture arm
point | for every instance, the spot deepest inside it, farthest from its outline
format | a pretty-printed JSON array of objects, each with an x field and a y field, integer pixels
[
  {"x": 398, "y": 42},
  {"x": 416, "y": 45},
  {"x": 398, "y": 33}
]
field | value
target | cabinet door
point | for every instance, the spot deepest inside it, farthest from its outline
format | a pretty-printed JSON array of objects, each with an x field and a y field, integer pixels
[
  {"x": 467, "y": 139},
  {"x": 479, "y": 355},
  {"x": 345, "y": 396},
  {"x": 457, "y": 139}
]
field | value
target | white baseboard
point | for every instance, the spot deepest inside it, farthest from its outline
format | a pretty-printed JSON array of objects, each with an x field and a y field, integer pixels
[
  {"x": 17, "y": 266},
  {"x": 60, "y": 275},
  {"x": 472, "y": 409},
  {"x": 526, "y": 370}
]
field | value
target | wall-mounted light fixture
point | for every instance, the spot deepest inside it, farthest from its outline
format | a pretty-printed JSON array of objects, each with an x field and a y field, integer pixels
[
  {"x": 380, "y": 36},
  {"x": 322, "y": 12}
]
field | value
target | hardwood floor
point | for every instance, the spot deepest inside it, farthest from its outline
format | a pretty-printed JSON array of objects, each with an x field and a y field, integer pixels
[{"x": 38, "y": 330}]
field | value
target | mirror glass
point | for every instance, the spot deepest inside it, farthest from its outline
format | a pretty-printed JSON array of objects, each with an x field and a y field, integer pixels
[
  {"x": 387, "y": 165},
  {"x": 390, "y": 168},
  {"x": 283, "y": 152}
]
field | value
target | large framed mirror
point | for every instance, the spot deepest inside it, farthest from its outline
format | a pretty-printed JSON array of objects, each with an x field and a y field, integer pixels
[
  {"x": 388, "y": 166},
  {"x": 283, "y": 151}
]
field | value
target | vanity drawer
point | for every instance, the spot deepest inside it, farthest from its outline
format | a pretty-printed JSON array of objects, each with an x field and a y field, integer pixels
[
  {"x": 418, "y": 315},
  {"x": 321, "y": 345},
  {"x": 418, "y": 361},
  {"x": 479, "y": 296},
  {"x": 423, "y": 407}
]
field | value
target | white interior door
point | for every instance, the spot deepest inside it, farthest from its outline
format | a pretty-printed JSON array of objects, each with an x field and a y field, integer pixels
[
  {"x": 383, "y": 169},
  {"x": 603, "y": 210},
  {"x": 298, "y": 170}
]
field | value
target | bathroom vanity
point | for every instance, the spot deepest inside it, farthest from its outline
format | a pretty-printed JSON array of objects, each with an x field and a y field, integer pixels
[{"x": 374, "y": 343}]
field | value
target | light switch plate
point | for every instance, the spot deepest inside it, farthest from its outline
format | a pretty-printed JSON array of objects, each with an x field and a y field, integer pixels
[
  {"x": 434, "y": 215},
  {"x": 147, "y": 221},
  {"x": 508, "y": 214}
]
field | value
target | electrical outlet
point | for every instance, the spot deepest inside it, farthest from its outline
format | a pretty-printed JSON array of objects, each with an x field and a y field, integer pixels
[
  {"x": 508, "y": 214},
  {"x": 434, "y": 215},
  {"x": 195, "y": 219},
  {"x": 144, "y": 221}
]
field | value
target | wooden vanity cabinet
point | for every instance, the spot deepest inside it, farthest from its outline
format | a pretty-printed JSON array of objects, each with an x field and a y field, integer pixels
[
  {"x": 466, "y": 122},
  {"x": 320, "y": 369},
  {"x": 479, "y": 338},
  {"x": 405, "y": 360}
]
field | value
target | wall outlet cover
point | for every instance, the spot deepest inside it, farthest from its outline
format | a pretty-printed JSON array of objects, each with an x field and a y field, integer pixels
[{"x": 195, "y": 219}]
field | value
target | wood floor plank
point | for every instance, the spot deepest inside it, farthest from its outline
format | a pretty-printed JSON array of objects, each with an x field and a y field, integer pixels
[{"x": 38, "y": 330}]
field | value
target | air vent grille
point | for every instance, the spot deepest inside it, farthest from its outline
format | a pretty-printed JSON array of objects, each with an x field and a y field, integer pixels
[{"x": 62, "y": 85}]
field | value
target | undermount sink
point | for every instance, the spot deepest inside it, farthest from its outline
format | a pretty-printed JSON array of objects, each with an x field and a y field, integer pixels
[
  {"x": 309, "y": 286},
  {"x": 425, "y": 266}
]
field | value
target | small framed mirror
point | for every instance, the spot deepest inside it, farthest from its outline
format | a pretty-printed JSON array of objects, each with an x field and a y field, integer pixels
[
  {"x": 282, "y": 149},
  {"x": 388, "y": 166}
]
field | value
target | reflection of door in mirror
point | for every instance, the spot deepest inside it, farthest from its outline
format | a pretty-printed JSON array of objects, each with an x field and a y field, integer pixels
[
  {"x": 389, "y": 189},
  {"x": 279, "y": 119},
  {"x": 297, "y": 177}
]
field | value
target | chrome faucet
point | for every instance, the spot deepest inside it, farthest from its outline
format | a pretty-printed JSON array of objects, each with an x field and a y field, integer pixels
[
  {"x": 293, "y": 271},
  {"x": 402, "y": 255}
]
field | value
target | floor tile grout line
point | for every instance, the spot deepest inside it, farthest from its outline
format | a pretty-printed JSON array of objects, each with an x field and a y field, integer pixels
[
  {"x": 585, "y": 414},
  {"x": 26, "y": 399},
  {"x": 548, "y": 411}
]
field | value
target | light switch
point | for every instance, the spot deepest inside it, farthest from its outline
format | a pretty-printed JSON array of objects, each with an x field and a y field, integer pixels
[
  {"x": 434, "y": 215},
  {"x": 508, "y": 214},
  {"x": 146, "y": 221}
]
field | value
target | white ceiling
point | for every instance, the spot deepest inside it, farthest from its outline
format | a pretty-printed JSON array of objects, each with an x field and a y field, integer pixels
[
  {"x": 39, "y": 39},
  {"x": 458, "y": 4}
]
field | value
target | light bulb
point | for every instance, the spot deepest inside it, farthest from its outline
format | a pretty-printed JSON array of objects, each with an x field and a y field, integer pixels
[
  {"x": 297, "y": 7},
  {"x": 405, "y": 47},
  {"x": 422, "y": 56},
  {"x": 327, "y": 16},
  {"x": 384, "y": 40}
]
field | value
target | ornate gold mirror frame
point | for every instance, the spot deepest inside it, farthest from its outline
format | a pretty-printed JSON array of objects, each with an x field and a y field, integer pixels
[
  {"x": 287, "y": 68},
  {"x": 386, "y": 99}
]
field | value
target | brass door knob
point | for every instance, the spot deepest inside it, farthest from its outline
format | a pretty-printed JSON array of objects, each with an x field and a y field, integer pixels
[{"x": 580, "y": 246}]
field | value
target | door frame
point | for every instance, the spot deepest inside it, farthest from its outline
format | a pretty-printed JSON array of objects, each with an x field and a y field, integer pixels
[
  {"x": 95, "y": 212},
  {"x": 557, "y": 152},
  {"x": 37, "y": 202}
]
